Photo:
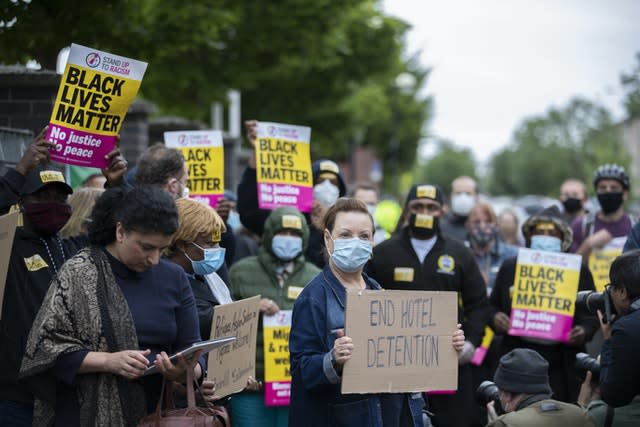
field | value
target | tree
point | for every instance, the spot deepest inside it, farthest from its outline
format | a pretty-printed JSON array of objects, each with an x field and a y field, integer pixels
[
  {"x": 631, "y": 84},
  {"x": 448, "y": 163},
  {"x": 325, "y": 64},
  {"x": 564, "y": 143}
]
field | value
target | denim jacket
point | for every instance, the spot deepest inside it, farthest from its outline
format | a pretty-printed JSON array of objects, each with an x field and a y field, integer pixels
[{"x": 316, "y": 399}]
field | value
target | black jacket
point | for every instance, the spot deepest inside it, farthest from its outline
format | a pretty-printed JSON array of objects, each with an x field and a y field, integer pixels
[
  {"x": 449, "y": 266},
  {"x": 620, "y": 361},
  {"x": 30, "y": 272}
]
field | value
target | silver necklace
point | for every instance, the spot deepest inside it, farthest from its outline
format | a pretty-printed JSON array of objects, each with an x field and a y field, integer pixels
[{"x": 53, "y": 262}]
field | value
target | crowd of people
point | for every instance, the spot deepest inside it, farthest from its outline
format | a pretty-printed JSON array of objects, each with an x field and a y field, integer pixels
[{"x": 104, "y": 282}]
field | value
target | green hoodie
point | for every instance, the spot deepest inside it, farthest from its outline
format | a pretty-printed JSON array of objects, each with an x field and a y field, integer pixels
[{"x": 256, "y": 275}]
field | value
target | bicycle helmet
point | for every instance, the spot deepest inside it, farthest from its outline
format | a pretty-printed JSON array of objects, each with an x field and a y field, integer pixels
[{"x": 611, "y": 171}]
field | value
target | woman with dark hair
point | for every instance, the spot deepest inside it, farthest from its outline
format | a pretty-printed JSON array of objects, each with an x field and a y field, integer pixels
[{"x": 114, "y": 307}]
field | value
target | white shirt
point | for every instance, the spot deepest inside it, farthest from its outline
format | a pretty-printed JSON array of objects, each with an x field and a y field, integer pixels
[{"x": 423, "y": 247}]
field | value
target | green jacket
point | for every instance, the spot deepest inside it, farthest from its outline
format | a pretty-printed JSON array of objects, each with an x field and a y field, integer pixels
[
  {"x": 628, "y": 415},
  {"x": 256, "y": 275},
  {"x": 545, "y": 413}
]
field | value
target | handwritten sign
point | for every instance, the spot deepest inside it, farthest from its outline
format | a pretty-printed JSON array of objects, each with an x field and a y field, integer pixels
[
  {"x": 231, "y": 365},
  {"x": 544, "y": 294},
  {"x": 402, "y": 341},
  {"x": 283, "y": 166},
  {"x": 277, "y": 373},
  {"x": 203, "y": 152},
  {"x": 600, "y": 261},
  {"x": 93, "y": 98},
  {"x": 8, "y": 225}
]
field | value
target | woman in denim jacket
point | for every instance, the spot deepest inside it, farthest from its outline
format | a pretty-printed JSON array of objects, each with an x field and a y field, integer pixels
[{"x": 317, "y": 343}]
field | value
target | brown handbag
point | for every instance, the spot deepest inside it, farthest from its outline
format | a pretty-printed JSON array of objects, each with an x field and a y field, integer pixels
[{"x": 209, "y": 415}]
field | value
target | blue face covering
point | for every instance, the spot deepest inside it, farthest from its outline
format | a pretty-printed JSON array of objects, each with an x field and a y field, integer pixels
[
  {"x": 210, "y": 263},
  {"x": 350, "y": 255},
  {"x": 286, "y": 248},
  {"x": 233, "y": 221},
  {"x": 546, "y": 243}
]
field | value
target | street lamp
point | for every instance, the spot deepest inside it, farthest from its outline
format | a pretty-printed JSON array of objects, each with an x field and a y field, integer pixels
[{"x": 404, "y": 84}]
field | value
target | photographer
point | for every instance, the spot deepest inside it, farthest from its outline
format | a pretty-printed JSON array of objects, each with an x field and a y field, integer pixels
[
  {"x": 602, "y": 414},
  {"x": 620, "y": 356},
  {"x": 525, "y": 395}
]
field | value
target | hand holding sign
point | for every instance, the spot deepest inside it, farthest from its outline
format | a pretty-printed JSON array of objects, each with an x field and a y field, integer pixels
[
  {"x": 342, "y": 349},
  {"x": 117, "y": 165},
  {"x": 501, "y": 322},
  {"x": 37, "y": 153}
]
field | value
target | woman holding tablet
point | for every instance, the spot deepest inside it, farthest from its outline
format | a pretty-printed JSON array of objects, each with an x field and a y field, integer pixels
[{"x": 115, "y": 308}]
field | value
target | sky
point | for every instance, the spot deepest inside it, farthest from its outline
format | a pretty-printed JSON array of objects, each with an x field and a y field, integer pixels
[{"x": 497, "y": 62}]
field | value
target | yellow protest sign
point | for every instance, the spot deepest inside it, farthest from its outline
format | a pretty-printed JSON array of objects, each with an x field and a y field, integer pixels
[
  {"x": 277, "y": 374},
  {"x": 283, "y": 166},
  {"x": 544, "y": 294},
  {"x": 203, "y": 153},
  {"x": 600, "y": 261},
  {"x": 93, "y": 98}
]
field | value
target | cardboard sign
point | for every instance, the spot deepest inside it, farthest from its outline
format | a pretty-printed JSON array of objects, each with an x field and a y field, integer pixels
[
  {"x": 402, "y": 341},
  {"x": 600, "y": 261},
  {"x": 93, "y": 98},
  {"x": 283, "y": 166},
  {"x": 277, "y": 373},
  {"x": 231, "y": 365},
  {"x": 8, "y": 225},
  {"x": 203, "y": 153},
  {"x": 544, "y": 294}
]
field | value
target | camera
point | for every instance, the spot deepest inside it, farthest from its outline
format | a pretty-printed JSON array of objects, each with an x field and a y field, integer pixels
[
  {"x": 585, "y": 363},
  {"x": 487, "y": 391},
  {"x": 591, "y": 302}
]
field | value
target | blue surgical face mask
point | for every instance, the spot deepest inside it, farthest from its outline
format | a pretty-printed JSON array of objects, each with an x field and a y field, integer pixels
[
  {"x": 350, "y": 255},
  {"x": 233, "y": 221},
  {"x": 546, "y": 243},
  {"x": 210, "y": 263},
  {"x": 286, "y": 248}
]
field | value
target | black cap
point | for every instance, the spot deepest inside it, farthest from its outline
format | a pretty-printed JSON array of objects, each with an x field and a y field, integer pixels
[
  {"x": 426, "y": 191},
  {"x": 41, "y": 176},
  {"x": 523, "y": 371}
]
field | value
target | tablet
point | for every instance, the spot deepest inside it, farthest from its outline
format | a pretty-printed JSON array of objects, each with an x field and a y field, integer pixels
[{"x": 207, "y": 346}]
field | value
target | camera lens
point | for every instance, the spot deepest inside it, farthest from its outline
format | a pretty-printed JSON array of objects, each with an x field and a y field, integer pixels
[{"x": 585, "y": 363}]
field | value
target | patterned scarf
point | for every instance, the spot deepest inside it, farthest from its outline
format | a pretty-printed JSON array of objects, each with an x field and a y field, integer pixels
[{"x": 84, "y": 309}]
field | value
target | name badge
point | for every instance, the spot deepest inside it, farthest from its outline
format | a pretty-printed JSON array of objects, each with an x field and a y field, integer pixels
[
  {"x": 293, "y": 292},
  {"x": 403, "y": 274},
  {"x": 35, "y": 263}
]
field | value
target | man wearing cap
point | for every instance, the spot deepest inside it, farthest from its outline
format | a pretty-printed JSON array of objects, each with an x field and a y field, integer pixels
[
  {"x": 546, "y": 231},
  {"x": 328, "y": 185},
  {"x": 593, "y": 231},
  {"x": 419, "y": 257},
  {"x": 36, "y": 256},
  {"x": 525, "y": 395}
]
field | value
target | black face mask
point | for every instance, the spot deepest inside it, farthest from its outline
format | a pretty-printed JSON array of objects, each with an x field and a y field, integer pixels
[
  {"x": 572, "y": 205},
  {"x": 610, "y": 202},
  {"x": 47, "y": 218},
  {"x": 419, "y": 225},
  {"x": 481, "y": 238}
]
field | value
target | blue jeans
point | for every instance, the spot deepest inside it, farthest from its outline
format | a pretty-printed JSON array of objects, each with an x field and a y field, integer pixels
[
  {"x": 15, "y": 414},
  {"x": 248, "y": 410}
]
